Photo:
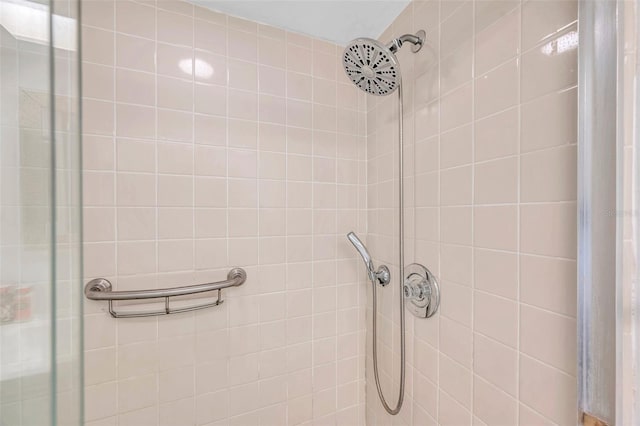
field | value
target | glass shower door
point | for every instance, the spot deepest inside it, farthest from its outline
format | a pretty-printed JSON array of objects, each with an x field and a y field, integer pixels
[{"x": 40, "y": 222}]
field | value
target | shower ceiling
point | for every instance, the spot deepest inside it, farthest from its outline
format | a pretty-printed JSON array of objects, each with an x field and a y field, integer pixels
[{"x": 336, "y": 21}]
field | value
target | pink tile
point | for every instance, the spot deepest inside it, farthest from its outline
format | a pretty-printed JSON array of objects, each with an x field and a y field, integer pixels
[
  {"x": 549, "y": 121},
  {"x": 243, "y": 105},
  {"x": 174, "y": 125},
  {"x": 497, "y": 90},
  {"x": 135, "y": 53},
  {"x": 455, "y": 108},
  {"x": 98, "y": 117},
  {"x": 210, "y": 36},
  {"x": 135, "y": 19},
  {"x": 496, "y": 227},
  {"x": 242, "y": 45},
  {"x": 211, "y": 99},
  {"x": 97, "y": 45},
  {"x": 547, "y": 390},
  {"x": 541, "y": 20},
  {"x": 498, "y": 43},
  {"x": 135, "y": 87},
  {"x": 450, "y": 412},
  {"x": 299, "y": 59},
  {"x": 496, "y": 272},
  {"x": 99, "y": 14},
  {"x": 455, "y": 147},
  {"x": 497, "y": 136},
  {"x": 174, "y": 28},
  {"x": 544, "y": 72},
  {"x": 561, "y": 276},
  {"x": 548, "y": 337},
  {"x": 496, "y": 317},
  {"x": 135, "y": 121},
  {"x": 560, "y": 218},
  {"x": 174, "y": 93},
  {"x": 98, "y": 82},
  {"x": 243, "y": 75},
  {"x": 492, "y": 405},
  {"x": 272, "y": 52},
  {"x": 496, "y": 182},
  {"x": 549, "y": 175},
  {"x": 496, "y": 363},
  {"x": 174, "y": 61}
]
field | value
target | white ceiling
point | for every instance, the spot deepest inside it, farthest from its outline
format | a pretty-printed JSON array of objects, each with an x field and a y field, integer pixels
[{"x": 336, "y": 21}]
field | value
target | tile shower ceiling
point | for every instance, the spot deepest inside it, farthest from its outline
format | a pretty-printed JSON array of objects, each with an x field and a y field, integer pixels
[{"x": 336, "y": 21}]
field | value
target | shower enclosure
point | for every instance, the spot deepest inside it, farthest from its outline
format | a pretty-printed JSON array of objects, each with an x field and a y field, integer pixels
[
  {"x": 224, "y": 160},
  {"x": 41, "y": 348}
]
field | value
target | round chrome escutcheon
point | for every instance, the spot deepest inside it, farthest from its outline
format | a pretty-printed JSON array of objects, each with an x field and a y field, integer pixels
[{"x": 421, "y": 290}]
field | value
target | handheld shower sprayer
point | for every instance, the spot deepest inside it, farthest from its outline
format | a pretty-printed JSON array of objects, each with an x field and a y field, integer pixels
[{"x": 380, "y": 276}]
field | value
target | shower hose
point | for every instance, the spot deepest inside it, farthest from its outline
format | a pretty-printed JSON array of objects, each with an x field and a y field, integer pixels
[{"x": 395, "y": 410}]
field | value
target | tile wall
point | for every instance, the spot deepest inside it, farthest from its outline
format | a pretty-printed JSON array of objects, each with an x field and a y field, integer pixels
[
  {"x": 212, "y": 142},
  {"x": 490, "y": 135}
]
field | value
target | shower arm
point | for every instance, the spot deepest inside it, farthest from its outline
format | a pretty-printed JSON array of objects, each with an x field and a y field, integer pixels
[{"x": 416, "y": 40}]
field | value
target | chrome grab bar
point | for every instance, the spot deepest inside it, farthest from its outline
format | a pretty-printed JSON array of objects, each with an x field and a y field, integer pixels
[{"x": 101, "y": 289}]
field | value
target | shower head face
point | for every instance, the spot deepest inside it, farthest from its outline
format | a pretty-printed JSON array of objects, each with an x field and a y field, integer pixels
[{"x": 371, "y": 66}]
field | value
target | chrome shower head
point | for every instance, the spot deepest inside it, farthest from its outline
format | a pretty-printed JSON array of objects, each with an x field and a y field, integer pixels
[{"x": 373, "y": 67}]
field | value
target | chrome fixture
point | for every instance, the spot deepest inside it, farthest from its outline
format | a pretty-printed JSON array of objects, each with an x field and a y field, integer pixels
[
  {"x": 380, "y": 276},
  {"x": 101, "y": 289},
  {"x": 416, "y": 41},
  {"x": 374, "y": 68},
  {"x": 422, "y": 290}
]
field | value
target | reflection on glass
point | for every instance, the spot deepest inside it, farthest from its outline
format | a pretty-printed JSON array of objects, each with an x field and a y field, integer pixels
[
  {"x": 29, "y": 21},
  {"x": 40, "y": 286}
]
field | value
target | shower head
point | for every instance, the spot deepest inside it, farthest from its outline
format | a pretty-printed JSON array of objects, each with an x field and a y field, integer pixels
[{"x": 373, "y": 67}]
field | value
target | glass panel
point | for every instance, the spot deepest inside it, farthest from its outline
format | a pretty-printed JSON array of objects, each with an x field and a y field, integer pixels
[
  {"x": 629, "y": 328},
  {"x": 25, "y": 287},
  {"x": 40, "y": 310},
  {"x": 67, "y": 303}
]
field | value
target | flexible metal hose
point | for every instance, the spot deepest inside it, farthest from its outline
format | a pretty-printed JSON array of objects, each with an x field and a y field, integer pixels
[{"x": 398, "y": 406}]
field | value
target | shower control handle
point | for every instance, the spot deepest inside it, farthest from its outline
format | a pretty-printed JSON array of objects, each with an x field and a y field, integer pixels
[
  {"x": 421, "y": 291},
  {"x": 380, "y": 276}
]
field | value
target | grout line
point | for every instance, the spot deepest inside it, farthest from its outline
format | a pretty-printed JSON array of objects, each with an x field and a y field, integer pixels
[
  {"x": 438, "y": 134},
  {"x": 518, "y": 211},
  {"x": 313, "y": 251},
  {"x": 474, "y": 201},
  {"x": 114, "y": 136},
  {"x": 193, "y": 315}
]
